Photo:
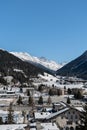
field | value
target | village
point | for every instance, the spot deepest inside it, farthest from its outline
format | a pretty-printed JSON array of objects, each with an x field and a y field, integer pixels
[
  {"x": 43, "y": 65},
  {"x": 43, "y": 106}
]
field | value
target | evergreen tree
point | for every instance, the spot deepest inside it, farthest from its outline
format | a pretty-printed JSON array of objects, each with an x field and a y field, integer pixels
[
  {"x": 24, "y": 115},
  {"x": 49, "y": 100},
  {"x": 40, "y": 101},
  {"x": 50, "y": 92},
  {"x": 1, "y": 120},
  {"x": 78, "y": 95},
  {"x": 83, "y": 118},
  {"x": 64, "y": 87},
  {"x": 53, "y": 91},
  {"x": 30, "y": 101},
  {"x": 68, "y": 100},
  {"x": 19, "y": 101},
  {"x": 10, "y": 118},
  {"x": 40, "y": 88},
  {"x": 69, "y": 91},
  {"x": 28, "y": 93},
  {"x": 21, "y": 90},
  {"x": 58, "y": 92}
]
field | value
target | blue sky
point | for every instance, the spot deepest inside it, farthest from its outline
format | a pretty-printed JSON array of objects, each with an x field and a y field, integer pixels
[{"x": 55, "y": 29}]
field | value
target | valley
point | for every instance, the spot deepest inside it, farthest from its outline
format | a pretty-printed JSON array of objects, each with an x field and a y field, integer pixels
[{"x": 35, "y": 96}]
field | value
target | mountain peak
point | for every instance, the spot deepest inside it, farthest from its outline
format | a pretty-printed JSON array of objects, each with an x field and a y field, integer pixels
[
  {"x": 52, "y": 65},
  {"x": 43, "y": 58}
]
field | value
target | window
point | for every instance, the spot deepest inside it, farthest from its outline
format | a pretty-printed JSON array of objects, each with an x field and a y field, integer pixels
[
  {"x": 61, "y": 117},
  {"x": 76, "y": 122},
  {"x": 69, "y": 122},
  {"x": 68, "y": 112},
  {"x": 66, "y": 117},
  {"x": 73, "y": 112},
  {"x": 76, "y": 117},
  {"x": 71, "y": 128},
  {"x": 67, "y": 128},
  {"x": 71, "y": 116}
]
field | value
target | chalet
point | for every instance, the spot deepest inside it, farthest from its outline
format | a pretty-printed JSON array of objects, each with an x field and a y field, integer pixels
[{"x": 66, "y": 118}]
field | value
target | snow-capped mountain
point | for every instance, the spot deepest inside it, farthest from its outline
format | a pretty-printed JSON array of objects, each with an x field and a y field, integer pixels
[{"x": 40, "y": 61}]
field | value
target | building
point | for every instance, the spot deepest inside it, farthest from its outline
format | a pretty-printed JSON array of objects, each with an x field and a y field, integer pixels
[{"x": 66, "y": 118}]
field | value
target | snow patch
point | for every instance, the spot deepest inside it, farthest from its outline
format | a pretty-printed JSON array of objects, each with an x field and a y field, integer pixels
[
  {"x": 17, "y": 70},
  {"x": 8, "y": 78}
]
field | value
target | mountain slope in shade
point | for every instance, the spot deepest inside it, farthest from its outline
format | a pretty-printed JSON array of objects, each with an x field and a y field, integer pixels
[
  {"x": 77, "y": 67},
  {"x": 20, "y": 70},
  {"x": 52, "y": 65}
]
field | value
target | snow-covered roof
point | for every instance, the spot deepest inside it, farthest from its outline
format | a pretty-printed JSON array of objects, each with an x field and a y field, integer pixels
[
  {"x": 62, "y": 103},
  {"x": 79, "y": 108},
  {"x": 57, "y": 113}
]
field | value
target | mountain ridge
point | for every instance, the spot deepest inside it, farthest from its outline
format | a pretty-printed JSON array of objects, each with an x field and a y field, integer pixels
[
  {"x": 50, "y": 64},
  {"x": 21, "y": 71},
  {"x": 77, "y": 67}
]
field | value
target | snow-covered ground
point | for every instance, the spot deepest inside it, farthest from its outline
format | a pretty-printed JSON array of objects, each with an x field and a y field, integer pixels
[
  {"x": 8, "y": 79},
  {"x": 48, "y": 77},
  {"x": 50, "y": 80},
  {"x": 12, "y": 127},
  {"x": 18, "y": 118},
  {"x": 49, "y": 126}
]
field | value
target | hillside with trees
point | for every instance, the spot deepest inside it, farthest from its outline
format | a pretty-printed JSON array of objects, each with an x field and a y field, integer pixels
[
  {"x": 77, "y": 67},
  {"x": 21, "y": 71}
]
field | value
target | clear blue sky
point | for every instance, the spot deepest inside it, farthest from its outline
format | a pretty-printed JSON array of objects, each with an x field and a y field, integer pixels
[{"x": 55, "y": 29}]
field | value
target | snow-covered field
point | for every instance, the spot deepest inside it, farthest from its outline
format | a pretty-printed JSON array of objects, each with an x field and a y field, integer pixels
[
  {"x": 50, "y": 80},
  {"x": 18, "y": 118},
  {"x": 49, "y": 126},
  {"x": 12, "y": 127}
]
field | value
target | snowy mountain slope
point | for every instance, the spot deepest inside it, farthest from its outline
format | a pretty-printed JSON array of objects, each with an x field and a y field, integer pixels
[{"x": 40, "y": 61}]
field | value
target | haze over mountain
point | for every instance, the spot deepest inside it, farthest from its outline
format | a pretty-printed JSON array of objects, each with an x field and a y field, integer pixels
[{"x": 77, "y": 67}]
